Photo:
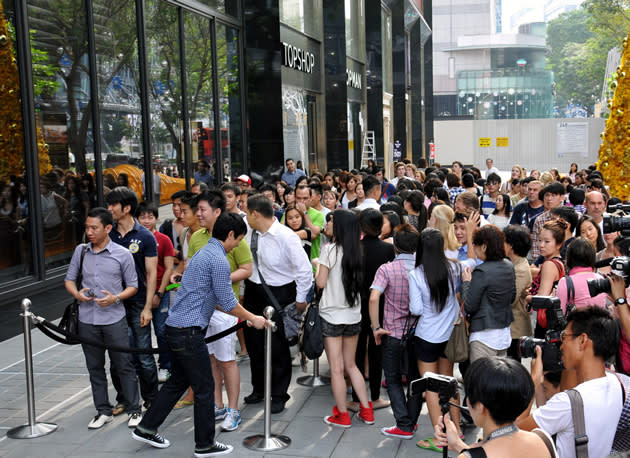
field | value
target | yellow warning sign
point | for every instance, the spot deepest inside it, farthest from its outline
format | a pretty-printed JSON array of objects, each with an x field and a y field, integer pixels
[
  {"x": 485, "y": 142},
  {"x": 503, "y": 141}
]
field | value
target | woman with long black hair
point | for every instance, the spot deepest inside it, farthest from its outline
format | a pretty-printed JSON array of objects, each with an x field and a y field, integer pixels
[
  {"x": 433, "y": 286},
  {"x": 340, "y": 273}
]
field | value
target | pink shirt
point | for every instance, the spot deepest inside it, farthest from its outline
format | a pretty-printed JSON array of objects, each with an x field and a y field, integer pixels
[{"x": 580, "y": 275}]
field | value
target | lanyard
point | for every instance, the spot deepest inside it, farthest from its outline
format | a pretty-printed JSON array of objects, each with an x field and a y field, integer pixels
[{"x": 510, "y": 429}]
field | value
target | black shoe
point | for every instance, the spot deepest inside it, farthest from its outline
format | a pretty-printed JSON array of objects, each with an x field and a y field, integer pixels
[
  {"x": 254, "y": 398},
  {"x": 277, "y": 406},
  {"x": 217, "y": 449},
  {"x": 152, "y": 439}
]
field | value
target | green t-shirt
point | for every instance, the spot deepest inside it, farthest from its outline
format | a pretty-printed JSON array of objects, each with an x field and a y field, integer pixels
[{"x": 237, "y": 257}]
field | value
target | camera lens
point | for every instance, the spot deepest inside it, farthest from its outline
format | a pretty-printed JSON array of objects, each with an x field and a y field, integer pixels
[
  {"x": 597, "y": 286},
  {"x": 527, "y": 346}
]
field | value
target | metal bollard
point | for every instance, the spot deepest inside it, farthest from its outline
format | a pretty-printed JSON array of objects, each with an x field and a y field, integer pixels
[
  {"x": 32, "y": 429},
  {"x": 267, "y": 442},
  {"x": 314, "y": 380}
]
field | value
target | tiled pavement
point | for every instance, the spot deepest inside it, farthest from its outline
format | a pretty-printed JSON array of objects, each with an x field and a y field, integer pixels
[{"x": 63, "y": 396}]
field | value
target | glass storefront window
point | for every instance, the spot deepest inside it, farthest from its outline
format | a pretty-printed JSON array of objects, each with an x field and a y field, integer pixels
[
  {"x": 165, "y": 91},
  {"x": 63, "y": 117},
  {"x": 303, "y": 15},
  {"x": 229, "y": 101},
  {"x": 224, "y": 6},
  {"x": 15, "y": 256},
  {"x": 199, "y": 85},
  {"x": 386, "y": 37},
  {"x": 119, "y": 95},
  {"x": 355, "y": 29},
  {"x": 294, "y": 124}
]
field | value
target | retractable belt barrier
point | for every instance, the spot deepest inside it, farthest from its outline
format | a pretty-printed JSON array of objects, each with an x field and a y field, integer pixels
[{"x": 47, "y": 329}]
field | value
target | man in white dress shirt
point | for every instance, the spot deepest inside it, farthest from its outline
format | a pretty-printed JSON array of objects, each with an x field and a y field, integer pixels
[
  {"x": 287, "y": 271},
  {"x": 372, "y": 190}
]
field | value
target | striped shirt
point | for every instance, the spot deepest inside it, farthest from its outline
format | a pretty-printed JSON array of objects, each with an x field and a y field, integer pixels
[
  {"x": 488, "y": 205},
  {"x": 206, "y": 283},
  {"x": 391, "y": 279}
]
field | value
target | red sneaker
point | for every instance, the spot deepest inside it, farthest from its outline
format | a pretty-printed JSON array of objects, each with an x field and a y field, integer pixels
[
  {"x": 366, "y": 414},
  {"x": 395, "y": 431},
  {"x": 341, "y": 419}
]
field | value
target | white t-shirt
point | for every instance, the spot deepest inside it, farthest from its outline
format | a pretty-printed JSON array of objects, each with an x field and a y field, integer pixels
[
  {"x": 333, "y": 306},
  {"x": 497, "y": 339},
  {"x": 602, "y": 409}
]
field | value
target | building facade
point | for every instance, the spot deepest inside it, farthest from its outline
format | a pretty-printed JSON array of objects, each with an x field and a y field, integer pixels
[{"x": 241, "y": 84}]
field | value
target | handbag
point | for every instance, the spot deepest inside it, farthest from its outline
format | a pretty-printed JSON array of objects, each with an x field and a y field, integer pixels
[
  {"x": 291, "y": 316},
  {"x": 406, "y": 351},
  {"x": 311, "y": 339},
  {"x": 456, "y": 350},
  {"x": 70, "y": 319}
]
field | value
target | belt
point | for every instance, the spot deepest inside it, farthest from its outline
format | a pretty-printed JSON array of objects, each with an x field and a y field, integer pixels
[{"x": 191, "y": 330}]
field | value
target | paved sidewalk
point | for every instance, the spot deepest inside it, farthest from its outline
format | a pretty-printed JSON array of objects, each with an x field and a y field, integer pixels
[{"x": 63, "y": 396}]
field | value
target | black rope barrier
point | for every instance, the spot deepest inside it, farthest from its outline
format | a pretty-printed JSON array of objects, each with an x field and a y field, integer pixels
[{"x": 72, "y": 339}]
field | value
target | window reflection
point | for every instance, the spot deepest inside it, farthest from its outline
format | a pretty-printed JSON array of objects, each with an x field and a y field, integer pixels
[
  {"x": 200, "y": 96},
  {"x": 15, "y": 257},
  {"x": 165, "y": 92},
  {"x": 229, "y": 101}
]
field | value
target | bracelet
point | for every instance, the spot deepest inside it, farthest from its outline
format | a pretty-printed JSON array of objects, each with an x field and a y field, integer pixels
[
  {"x": 159, "y": 294},
  {"x": 376, "y": 328}
]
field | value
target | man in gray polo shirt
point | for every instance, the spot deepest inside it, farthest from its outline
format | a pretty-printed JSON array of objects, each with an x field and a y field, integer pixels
[{"x": 108, "y": 277}]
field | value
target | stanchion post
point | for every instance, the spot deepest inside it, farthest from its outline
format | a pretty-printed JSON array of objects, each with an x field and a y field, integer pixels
[
  {"x": 314, "y": 380},
  {"x": 267, "y": 442},
  {"x": 32, "y": 429}
]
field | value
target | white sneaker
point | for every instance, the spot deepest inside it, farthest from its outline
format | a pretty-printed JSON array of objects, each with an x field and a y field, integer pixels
[
  {"x": 134, "y": 419},
  {"x": 99, "y": 420},
  {"x": 163, "y": 375},
  {"x": 232, "y": 420}
]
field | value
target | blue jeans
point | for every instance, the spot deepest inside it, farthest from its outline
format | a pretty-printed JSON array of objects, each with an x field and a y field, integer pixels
[
  {"x": 406, "y": 408},
  {"x": 146, "y": 368},
  {"x": 190, "y": 366},
  {"x": 160, "y": 314}
]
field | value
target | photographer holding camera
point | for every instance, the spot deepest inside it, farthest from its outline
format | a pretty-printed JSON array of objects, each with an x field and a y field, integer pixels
[
  {"x": 498, "y": 390},
  {"x": 590, "y": 339}
]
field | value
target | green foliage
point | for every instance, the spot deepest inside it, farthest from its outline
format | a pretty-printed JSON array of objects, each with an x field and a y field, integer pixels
[
  {"x": 44, "y": 82},
  {"x": 579, "y": 42}
]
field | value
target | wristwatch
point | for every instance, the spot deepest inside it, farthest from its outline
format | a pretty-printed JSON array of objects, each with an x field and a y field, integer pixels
[
  {"x": 375, "y": 328},
  {"x": 159, "y": 294},
  {"x": 621, "y": 301},
  {"x": 117, "y": 301}
]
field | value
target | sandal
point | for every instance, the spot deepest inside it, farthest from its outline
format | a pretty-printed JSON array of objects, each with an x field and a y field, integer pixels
[
  {"x": 431, "y": 446},
  {"x": 380, "y": 404},
  {"x": 183, "y": 403}
]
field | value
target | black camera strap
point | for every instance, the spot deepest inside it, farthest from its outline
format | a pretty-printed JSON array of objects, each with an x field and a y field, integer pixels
[{"x": 570, "y": 293}]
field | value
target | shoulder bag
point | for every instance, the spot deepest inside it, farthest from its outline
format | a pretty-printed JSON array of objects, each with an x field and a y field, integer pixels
[
  {"x": 291, "y": 316},
  {"x": 310, "y": 337},
  {"x": 70, "y": 319},
  {"x": 456, "y": 350},
  {"x": 406, "y": 342}
]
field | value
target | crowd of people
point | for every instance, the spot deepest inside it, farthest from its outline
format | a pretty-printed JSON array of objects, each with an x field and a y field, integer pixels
[{"x": 399, "y": 262}]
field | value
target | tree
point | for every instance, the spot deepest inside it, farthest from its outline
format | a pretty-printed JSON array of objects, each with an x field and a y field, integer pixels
[
  {"x": 64, "y": 37},
  {"x": 579, "y": 42}
]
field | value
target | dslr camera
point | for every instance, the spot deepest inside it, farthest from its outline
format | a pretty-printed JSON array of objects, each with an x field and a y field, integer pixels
[
  {"x": 620, "y": 264},
  {"x": 443, "y": 385},
  {"x": 556, "y": 322}
]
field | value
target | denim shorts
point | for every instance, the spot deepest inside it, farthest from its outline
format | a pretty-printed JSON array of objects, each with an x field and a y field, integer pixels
[{"x": 337, "y": 330}]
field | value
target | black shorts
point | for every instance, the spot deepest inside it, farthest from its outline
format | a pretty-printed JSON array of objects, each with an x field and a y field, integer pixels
[
  {"x": 336, "y": 330},
  {"x": 428, "y": 352}
]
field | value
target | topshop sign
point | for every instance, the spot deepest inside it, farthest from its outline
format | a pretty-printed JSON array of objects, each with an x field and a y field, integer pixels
[{"x": 297, "y": 58}]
